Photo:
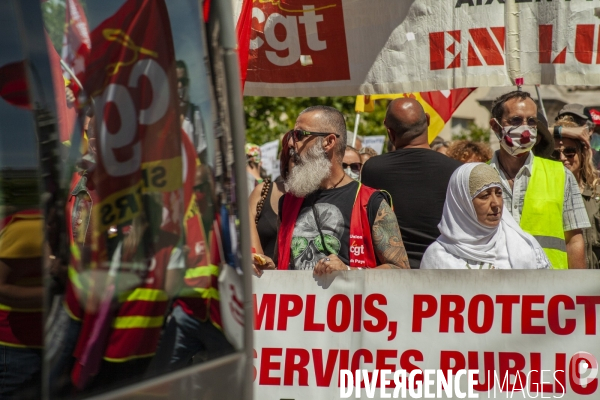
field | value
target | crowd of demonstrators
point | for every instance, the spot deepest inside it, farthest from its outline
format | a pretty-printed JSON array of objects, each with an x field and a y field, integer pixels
[
  {"x": 467, "y": 151},
  {"x": 521, "y": 210}
]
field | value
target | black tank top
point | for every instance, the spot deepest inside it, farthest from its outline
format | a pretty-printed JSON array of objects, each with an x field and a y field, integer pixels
[{"x": 267, "y": 225}]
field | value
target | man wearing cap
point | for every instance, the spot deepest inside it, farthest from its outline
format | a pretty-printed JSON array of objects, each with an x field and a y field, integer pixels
[{"x": 541, "y": 195}]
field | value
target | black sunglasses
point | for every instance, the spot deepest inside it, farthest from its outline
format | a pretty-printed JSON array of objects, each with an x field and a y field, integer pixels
[
  {"x": 354, "y": 167},
  {"x": 569, "y": 152},
  {"x": 299, "y": 134},
  {"x": 518, "y": 121}
]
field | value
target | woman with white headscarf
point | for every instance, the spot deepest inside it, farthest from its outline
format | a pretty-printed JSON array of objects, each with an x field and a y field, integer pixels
[{"x": 476, "y": 232}]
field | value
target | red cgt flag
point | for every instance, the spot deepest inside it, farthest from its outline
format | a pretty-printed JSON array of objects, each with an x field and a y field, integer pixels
[
  {"x": 131, "y": 76},
  {"x": 243, "y": 31},
  {"x": 76, "y": 40}
]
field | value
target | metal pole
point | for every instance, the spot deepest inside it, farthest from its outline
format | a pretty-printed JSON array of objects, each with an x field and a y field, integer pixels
[
  {"x": 228, "y": 42},
  {"x": 513, "y": 48},
  {"x": 70, "y": 72},
  {"x": 356, "y": 122},
  {"x": 541, "y": 102}
]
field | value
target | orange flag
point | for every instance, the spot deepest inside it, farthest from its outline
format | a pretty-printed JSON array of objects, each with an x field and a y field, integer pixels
[{"x": 440, "y": 105}]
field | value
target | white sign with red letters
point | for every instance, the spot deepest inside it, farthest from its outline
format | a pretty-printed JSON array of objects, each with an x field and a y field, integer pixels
[
  {"x": 349, "y": 47},
  {"x": 527, "y": 334}
]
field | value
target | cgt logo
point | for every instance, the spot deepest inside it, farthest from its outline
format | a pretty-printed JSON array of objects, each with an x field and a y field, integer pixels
[
  {"x": 485, "y": 46},
  {"x": 357, "y": 250},
  {"x": 298, "y": 41}
]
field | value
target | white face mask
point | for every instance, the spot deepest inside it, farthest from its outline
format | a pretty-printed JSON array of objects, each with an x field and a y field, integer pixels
[
  {"x": 351, "y": 174},
  {"x": 517, "y": 139}
]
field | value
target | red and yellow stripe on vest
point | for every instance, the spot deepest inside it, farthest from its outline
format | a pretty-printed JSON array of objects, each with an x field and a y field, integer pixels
[
  {"x": 21, "y": 237},
  {"x": 141, "y": 315},
  {"x": 200, "y": 295},
  {"x": 74, "y": 288}
]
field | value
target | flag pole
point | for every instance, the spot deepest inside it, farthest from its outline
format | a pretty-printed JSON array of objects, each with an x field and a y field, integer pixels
[
  {"x": 70, "y": 72},
  {"x": 356, "y": 122},
  {"x": 541, "y": 102}
]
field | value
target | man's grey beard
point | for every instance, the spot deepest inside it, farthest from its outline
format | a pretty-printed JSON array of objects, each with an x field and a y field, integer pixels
[{"x": 312, "y": 169}]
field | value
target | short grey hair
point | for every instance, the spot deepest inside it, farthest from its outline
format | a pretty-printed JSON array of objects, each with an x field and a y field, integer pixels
[{"x": 336, "y": 123}]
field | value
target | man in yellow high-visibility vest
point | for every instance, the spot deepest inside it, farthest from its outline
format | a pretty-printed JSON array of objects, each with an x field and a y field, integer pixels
[{"x": 541, "y": 194}]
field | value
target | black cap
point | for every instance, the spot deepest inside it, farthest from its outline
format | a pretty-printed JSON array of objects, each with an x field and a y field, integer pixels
[{"x": 573, "y": 109}]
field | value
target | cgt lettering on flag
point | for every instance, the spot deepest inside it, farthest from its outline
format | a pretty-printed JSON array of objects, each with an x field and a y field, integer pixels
[
  {"x": 485, "y": 47},
  {"x": 304, "y": 39},
  {"x": 131, "y": 77}
]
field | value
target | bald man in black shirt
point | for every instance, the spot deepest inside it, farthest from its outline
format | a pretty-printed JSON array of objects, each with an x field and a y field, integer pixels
[{"x": 416, "y": 176}]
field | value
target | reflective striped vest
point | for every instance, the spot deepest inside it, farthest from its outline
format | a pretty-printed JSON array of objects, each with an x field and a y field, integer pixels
[
  {"x": 21, "y": 237},
  {"x": 141, "y": 313},
  {"x": 542, "y": 215},
  {"x": 200, "y": 295}
]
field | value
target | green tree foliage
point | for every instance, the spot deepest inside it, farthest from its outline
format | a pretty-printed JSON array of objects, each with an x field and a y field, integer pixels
[
  {"x": 54, "y": 20},
  {"x": 474, "y": 133},
  {"x": 53, "y": 12},
  {"x": 268, "y": 118}
]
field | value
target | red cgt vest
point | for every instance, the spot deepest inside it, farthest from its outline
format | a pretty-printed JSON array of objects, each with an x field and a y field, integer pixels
[{"x": 362, "y": 253}]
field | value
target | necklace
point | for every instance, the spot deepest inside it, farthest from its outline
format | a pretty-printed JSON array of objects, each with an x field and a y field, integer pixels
[
  {"x": 505, "y": 171},
  {"x": 340, "y": 181}
]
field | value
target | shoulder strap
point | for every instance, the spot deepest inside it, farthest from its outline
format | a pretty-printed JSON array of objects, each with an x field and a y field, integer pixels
[
  {"x": 292, "y": 206},
  {"x": 362, "y": 253}
]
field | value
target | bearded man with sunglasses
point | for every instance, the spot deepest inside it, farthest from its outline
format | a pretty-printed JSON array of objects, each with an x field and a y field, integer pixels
[
  {"x": 330, "y": 222},
  {"x": 542, "y": 195}
]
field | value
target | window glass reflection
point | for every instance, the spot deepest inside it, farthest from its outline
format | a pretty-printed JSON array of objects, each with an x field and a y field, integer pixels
[
  {"x": 147, "y": 201},
  {"x": 21, "y": 223}
]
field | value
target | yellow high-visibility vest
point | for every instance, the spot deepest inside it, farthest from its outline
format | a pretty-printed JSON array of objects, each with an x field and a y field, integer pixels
[{"x": 542, "y": 215}]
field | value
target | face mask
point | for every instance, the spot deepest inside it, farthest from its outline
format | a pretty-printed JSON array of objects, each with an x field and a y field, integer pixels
[
  {"x": 351, "y": 174},
  {"x": 517, "y": 140}
]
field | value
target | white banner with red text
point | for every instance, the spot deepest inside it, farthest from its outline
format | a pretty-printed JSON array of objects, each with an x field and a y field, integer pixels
[
  {"x": 350, "y": 47},
  {"x": 528, "y": 334}
]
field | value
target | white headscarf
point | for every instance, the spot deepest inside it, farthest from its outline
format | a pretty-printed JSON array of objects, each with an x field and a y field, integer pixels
[{"x": 462, "y": 235}]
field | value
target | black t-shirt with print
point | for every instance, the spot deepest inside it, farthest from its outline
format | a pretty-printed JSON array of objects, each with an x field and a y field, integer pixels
[{"x": 333, "y": 208}]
